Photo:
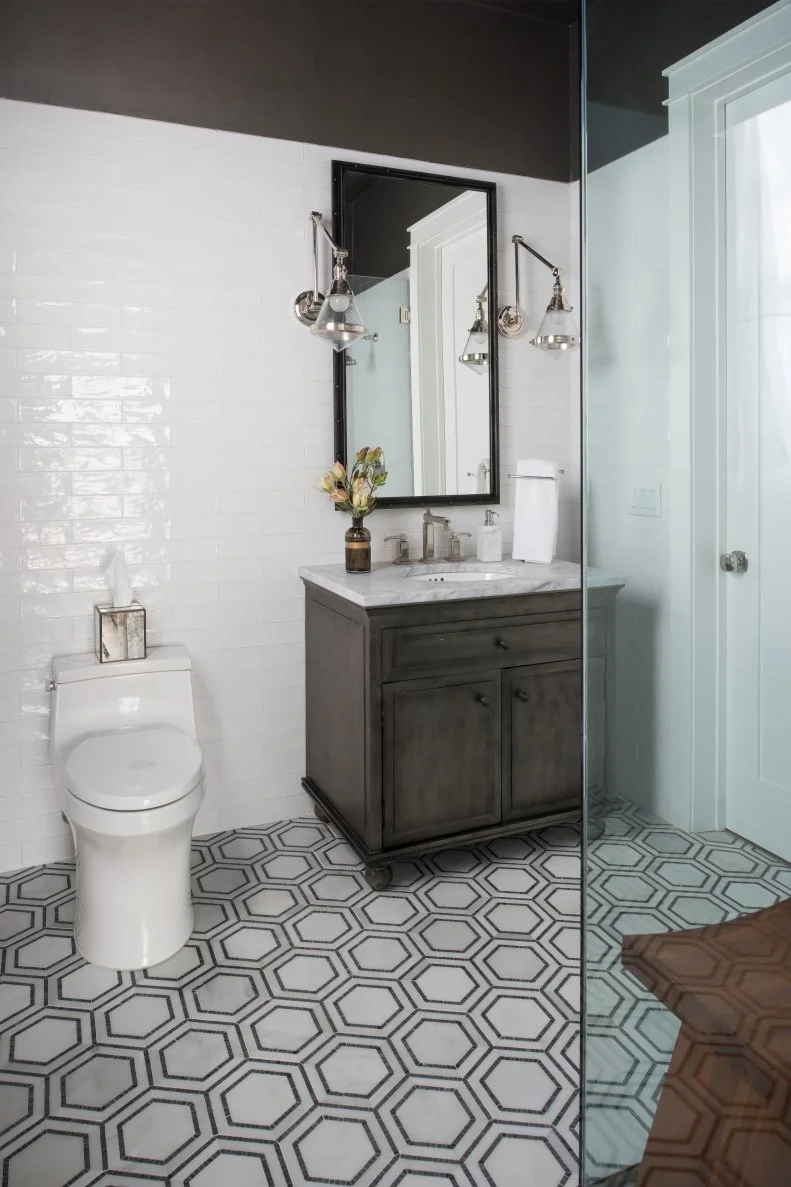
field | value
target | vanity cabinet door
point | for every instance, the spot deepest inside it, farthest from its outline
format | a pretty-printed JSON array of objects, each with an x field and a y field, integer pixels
[
  {"x": 441, "y": 756},
  {"x": 542, "y": 740}
]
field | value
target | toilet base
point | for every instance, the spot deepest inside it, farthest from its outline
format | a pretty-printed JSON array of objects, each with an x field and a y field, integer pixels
[
  {"x": 95, "y": 951},
  {"x": 134, "y": 904}
]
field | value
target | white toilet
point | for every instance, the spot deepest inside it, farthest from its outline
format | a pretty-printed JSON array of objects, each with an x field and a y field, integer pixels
[{"x": 129, "y": 769}]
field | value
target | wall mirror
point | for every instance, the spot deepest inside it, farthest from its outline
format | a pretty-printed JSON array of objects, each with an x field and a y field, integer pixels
[{"x": 422, "y": 381}]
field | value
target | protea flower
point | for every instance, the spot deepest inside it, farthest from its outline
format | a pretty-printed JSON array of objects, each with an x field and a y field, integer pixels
[
  {"x": 353, "y": 490},
  {"x": 361, "y": 496}
]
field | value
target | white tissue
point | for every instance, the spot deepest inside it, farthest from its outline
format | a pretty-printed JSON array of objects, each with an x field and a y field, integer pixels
[{"x": 118, "y": 579}]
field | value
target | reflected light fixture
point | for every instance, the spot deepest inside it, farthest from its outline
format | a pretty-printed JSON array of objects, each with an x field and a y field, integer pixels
[
  {"x": 558, "y": 330},
  {"x": 476, "y": 349},
  {"x": 335, "y": 318}
]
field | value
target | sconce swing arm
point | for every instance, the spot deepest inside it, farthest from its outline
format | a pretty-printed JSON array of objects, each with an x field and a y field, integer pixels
[
  {"x": 510, "y": 319},
  {"x": 308, "y": 304}
]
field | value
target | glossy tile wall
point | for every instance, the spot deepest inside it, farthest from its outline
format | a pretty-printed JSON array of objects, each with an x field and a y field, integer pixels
[
  {"x": 156, "y": 392},
  {"x": 628, "y": 447}
]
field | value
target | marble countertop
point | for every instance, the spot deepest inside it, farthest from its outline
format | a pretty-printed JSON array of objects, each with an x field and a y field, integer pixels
[{"x": 394, "y": 585}]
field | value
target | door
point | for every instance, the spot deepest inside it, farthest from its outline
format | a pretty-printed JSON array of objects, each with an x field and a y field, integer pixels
[
  {"x": 758, "y": 478},
  {"x": 542, "y": 739},
  {"x": 464, "y": 273},
  {"x": 447, "y": 236},
  {"x": 441, "y": 756},
  {"x": 377, "y": 375}
]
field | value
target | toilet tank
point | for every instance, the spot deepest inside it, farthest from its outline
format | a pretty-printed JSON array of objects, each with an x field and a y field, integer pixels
[{"x": 89, "y": 697}]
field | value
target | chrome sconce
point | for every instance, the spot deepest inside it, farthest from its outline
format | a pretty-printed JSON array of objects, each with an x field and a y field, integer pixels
[
  {"x": 476, "y": 349},
  {"x": 557, "y": 331},
  {"x": 335, "y": 318}
]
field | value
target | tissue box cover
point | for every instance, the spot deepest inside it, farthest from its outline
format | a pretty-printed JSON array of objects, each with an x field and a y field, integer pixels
[{"x": 119, "y": 632}]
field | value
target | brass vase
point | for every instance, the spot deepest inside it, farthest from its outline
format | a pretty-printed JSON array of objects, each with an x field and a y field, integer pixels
[{"x": 358, "y": 548}]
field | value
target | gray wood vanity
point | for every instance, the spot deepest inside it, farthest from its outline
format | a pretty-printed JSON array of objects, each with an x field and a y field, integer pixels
[{"x": 440, "y": 714}]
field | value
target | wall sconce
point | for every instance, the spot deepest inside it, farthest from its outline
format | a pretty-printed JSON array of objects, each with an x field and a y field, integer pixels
[
  {"x": 557, "y": 330},
  {"x": 335, "y": 318},
  {"x": 476, "y": 349}
]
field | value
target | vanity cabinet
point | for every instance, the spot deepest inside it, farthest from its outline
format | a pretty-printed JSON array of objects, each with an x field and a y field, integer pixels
[{"x": 447, "y": 722}]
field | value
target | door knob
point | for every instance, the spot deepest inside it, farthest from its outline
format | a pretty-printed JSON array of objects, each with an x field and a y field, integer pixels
[
  {"x": 734, "y": 562},
  {"x": 503, "y": 644},
  {"x": 522, "y": 696},
  {"x": 485, "y": 701}
]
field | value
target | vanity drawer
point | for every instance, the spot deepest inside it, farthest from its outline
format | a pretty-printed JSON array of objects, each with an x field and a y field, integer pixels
[{"x": 410, "y": 649}]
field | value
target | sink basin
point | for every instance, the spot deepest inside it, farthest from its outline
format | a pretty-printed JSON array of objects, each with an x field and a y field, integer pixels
[{"x": 451, "y": 578}]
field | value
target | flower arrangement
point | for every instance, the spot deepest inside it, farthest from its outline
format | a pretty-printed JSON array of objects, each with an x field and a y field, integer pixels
[{"x": 354, "y": 490}]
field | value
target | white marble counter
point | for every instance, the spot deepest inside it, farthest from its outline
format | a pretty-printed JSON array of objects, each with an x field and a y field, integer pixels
[{"x": 396, "y": 585}]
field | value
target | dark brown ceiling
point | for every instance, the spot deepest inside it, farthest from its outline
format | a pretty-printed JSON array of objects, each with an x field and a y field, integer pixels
[
  {"x": 560, "y": 12},
  {"x": 424, "y": 79}
]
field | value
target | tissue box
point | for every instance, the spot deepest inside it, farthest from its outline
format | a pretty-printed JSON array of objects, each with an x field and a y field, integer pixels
[{"x": 119, "y": 632}]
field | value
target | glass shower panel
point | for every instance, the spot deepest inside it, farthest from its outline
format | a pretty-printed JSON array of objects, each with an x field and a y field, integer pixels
[{"x": 660, "y": 856}]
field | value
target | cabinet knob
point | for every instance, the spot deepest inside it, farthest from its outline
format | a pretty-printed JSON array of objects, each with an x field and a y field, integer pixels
[
  {"x": 522, "y": 696},
  {"x": 503, "y": 644},
  {"x": 484, "y": 700}
]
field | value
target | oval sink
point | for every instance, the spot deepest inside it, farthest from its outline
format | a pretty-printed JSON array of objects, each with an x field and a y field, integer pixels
[{"x": 451, "y": 577}]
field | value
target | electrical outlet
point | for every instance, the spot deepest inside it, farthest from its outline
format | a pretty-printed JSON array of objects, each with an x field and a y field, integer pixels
[{"x": 646, "y": 500}]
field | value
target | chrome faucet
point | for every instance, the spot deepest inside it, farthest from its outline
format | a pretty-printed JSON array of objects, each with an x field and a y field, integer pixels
[{"x": 429, "y": 519}]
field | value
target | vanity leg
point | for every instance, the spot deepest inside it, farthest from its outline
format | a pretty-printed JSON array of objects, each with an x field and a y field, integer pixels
[
  {"x": 378, "y": 877},
  {"x": 320, "y": 814}
]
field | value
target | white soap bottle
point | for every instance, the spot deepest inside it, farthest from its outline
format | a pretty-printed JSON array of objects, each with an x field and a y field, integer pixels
[{"x": 489, "y": 540}]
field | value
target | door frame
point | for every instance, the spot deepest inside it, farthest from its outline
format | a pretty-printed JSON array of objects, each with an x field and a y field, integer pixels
[{"x": 700, "y": 86}]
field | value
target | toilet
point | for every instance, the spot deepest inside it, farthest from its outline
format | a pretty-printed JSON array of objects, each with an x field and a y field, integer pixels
[{"x": 129, "y": 771}]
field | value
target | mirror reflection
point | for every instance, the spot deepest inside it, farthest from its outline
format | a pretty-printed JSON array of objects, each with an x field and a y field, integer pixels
[{"x": 421, "y": 380}]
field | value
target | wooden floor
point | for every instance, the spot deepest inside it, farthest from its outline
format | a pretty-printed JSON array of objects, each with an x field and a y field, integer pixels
[{"x": 724, "y": 1115}]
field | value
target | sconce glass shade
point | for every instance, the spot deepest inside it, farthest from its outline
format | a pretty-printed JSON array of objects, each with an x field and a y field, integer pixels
[
  {"x": 558, "y": 330},
  {"x": 476, "y": 349},
  {"x": 339, "y": 321}
]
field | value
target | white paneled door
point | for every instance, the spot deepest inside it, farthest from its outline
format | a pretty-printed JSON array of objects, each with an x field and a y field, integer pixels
[{"x": 757, "y": 667}]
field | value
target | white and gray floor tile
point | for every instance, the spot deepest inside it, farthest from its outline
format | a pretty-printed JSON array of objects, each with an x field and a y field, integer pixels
[{"x": 312, "y": 1031}]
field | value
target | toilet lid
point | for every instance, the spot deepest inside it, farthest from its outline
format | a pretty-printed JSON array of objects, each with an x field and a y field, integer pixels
[{"x": 131, "y": 770}]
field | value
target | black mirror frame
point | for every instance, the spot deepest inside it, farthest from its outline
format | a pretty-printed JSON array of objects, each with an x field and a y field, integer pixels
[{"x": 340, "y": 169}]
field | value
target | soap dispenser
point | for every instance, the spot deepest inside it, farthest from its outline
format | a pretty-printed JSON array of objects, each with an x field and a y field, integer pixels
[{"x": 489, "y": 540}]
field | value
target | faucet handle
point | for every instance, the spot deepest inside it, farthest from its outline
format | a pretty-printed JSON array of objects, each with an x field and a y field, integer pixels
[
  {"x": 455, "y": 545},
  {"x": 403, "y": 548}
]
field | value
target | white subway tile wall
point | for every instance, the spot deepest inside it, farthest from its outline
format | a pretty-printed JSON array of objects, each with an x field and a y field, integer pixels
[
  {"x": 156, "y": 393},
  {"x": 628, "y": 446}
]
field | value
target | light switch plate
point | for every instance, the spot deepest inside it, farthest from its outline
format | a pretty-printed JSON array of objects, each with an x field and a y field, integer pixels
[{"x": 646, "y": 500}]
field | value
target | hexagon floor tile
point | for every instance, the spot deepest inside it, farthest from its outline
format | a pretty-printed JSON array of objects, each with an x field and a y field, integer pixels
[
  {"x": 312, "y": 1031},
  {"x": 645, "y": 875}
]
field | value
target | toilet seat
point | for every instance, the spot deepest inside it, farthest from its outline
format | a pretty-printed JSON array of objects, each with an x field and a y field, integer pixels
[{"x": 133, "y": 770}]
